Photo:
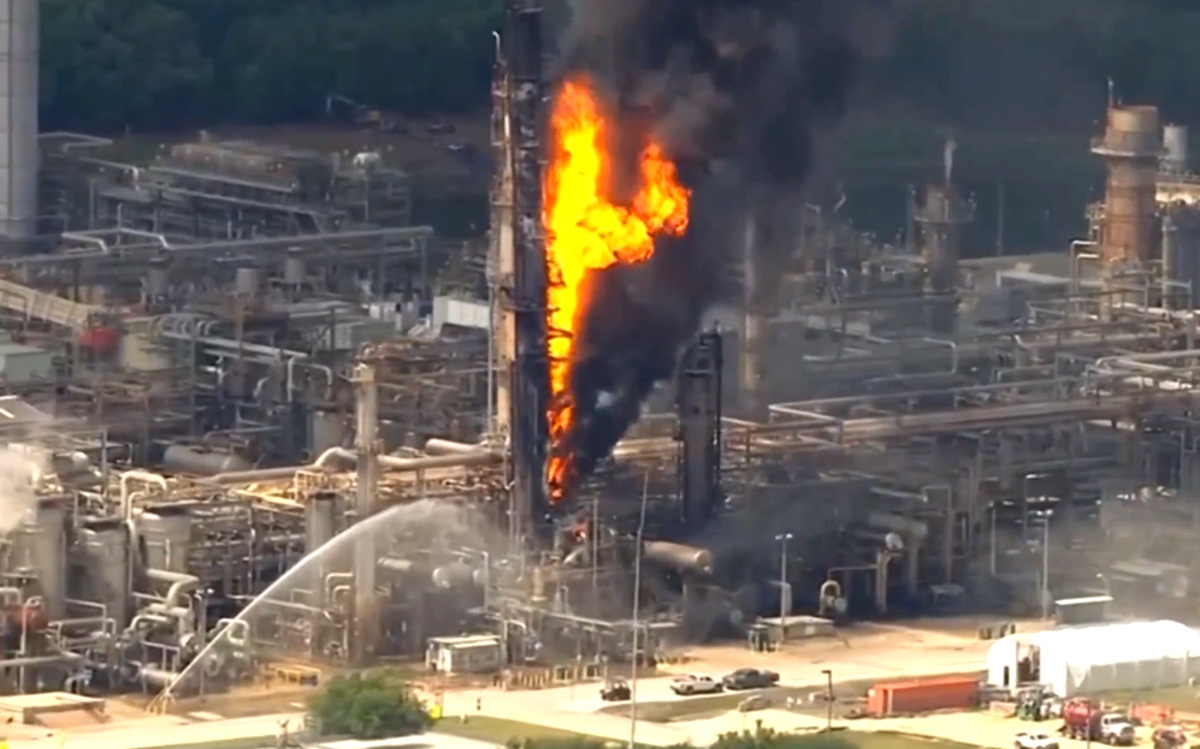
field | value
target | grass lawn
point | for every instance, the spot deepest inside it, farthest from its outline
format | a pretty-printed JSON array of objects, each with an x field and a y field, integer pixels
[
  {"x": 500, "y": 730},
  {"x": 893, "y": 740}
]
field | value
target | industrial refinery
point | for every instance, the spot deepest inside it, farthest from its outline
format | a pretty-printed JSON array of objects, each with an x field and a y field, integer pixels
[{"x": 255, "y": 421}]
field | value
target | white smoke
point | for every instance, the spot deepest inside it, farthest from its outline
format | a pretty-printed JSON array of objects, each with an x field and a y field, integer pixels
[{"x": 21, "y": 469}]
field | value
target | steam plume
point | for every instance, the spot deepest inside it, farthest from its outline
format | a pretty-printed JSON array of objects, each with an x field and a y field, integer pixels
[
  {"x": 735, "y": 91},
  {"x": 19, "y": 473}
]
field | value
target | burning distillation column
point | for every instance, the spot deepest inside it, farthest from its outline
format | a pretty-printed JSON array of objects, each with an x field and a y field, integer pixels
[
  {"x": 1131, "y": 145},
  {"x": 523, "y": 289},
  {"x": 941, "y": 218}
]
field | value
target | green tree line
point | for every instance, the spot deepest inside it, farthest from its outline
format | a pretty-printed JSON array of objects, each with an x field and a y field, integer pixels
[{"x": 159, "y": 64}]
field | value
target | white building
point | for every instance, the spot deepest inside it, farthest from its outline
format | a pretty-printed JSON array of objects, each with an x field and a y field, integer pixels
[{"x": 1098, "y": 658}]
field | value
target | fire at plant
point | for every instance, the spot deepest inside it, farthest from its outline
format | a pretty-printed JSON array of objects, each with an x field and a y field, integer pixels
[{"x": 291, "y": 428}]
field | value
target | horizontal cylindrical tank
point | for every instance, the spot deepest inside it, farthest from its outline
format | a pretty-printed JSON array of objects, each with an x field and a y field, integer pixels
[
  {"x": 197, "y": 461},
  {"x": 105, "y": 545},
  {"x": 166, "y": 535},
  {"x": 455, "y": 575},
  {"x": 68, "y": 464},
  {"x": 679, "y": 556},
  {"x": 397, "y": 566},
  {"x": 1175, "y": 147},
  {"x": 923, "y": 695}
]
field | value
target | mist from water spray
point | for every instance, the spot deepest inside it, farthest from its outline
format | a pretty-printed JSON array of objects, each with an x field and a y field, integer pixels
[
  {"x": 433, "y": 524},
  {"x": 20, "y": 472}
]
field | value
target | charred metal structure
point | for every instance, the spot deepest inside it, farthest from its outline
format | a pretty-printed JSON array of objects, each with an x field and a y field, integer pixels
[{"x": 524, "y": 289}]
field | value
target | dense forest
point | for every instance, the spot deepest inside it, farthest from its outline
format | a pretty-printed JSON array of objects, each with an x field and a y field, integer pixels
[{"x": 159, "y": 64}]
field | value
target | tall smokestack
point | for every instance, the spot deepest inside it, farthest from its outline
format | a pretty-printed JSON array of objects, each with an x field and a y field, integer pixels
[
  {"x": 1131, "y": 146},
  {"x": 19, "y": 126},
  {"x": 530, "y": 384}
]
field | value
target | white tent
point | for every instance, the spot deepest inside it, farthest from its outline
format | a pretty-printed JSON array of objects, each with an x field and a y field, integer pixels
[{"x": 1097, "y": 658}]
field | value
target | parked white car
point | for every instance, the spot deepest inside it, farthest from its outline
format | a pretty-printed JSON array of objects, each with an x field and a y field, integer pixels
[
  {"x": 1035, "y": 740},
  {"x": 688, "y": 685}
]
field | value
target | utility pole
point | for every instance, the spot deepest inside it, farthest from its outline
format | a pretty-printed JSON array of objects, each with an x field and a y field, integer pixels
[
  {"x": 637, "y": 597},
  {"x": 1046, "y": 567},
  {"x": 828, "y": 699},
  {"x": 785, "y": 590}
]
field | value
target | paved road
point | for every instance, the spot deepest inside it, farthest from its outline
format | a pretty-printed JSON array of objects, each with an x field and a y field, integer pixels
[{"x": 878, "y": 653}]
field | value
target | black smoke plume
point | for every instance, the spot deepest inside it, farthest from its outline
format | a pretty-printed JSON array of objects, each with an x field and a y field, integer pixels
[{"x": 736, "y": 91}]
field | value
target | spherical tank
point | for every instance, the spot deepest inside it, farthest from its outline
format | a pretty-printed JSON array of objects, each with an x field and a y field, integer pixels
[{"x": 197, "y": 461}]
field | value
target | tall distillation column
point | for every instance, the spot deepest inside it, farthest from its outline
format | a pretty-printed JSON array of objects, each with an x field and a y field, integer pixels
[
  {"x": 500, "y": 254},
  {"x": 1131, "y": 146},
  {"x": 366, "y": 443},
  {"x": 525, "y": 293},
  {"x": 755, "y": 322},
  {"x": 19, "y": 126},
  {"x": 941, "y": 218}
]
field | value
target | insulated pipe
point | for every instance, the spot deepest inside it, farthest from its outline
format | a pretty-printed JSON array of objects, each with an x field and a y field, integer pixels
[
  {"x": 181, "y": 584},
  {"x": 40, "y": 660},
  {"x": 386, "y": 462},
  {"x": 437, "y": 446},
  {"x": 147, "y": 477}
]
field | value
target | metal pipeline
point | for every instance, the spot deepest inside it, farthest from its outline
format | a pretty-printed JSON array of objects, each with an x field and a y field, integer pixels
[
  {"x": 437, "y": 446},
  {"x": 145, "y": 476},
  {"x": 181, "y": 584},
  {"x": 40, "y": 660},
  {"x": 387, "y": 462}
]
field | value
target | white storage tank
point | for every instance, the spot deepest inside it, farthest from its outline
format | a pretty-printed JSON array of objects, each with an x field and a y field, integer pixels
[
  {"x": 1175, "y": 148},
  {"x": 166, "y": 537},
  {"x": 105, "y": 544}
]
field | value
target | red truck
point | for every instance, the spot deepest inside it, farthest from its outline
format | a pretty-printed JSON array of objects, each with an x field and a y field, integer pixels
[{"x": 1085, "y": 720}]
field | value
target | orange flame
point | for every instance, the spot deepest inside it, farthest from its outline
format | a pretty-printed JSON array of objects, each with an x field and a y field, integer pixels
[{"x": 585, "y": 232}]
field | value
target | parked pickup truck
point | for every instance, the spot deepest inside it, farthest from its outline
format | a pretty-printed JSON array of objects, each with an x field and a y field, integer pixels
[{"x": 688, "y": 685}]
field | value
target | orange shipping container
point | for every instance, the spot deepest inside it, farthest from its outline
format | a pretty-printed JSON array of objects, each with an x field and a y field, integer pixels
[{"x": 923, "y": 695}]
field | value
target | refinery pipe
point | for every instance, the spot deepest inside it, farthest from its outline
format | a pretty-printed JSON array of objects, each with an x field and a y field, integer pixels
[
  {"x": 181, "y": 584},
  {"x": 144, "y": 476},
  {"x": 679, "y": 556},
  {"x": 386, "y": 462}
]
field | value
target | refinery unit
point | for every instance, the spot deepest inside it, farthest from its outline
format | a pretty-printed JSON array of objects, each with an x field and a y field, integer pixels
[{"x": 234, "y": 355}]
